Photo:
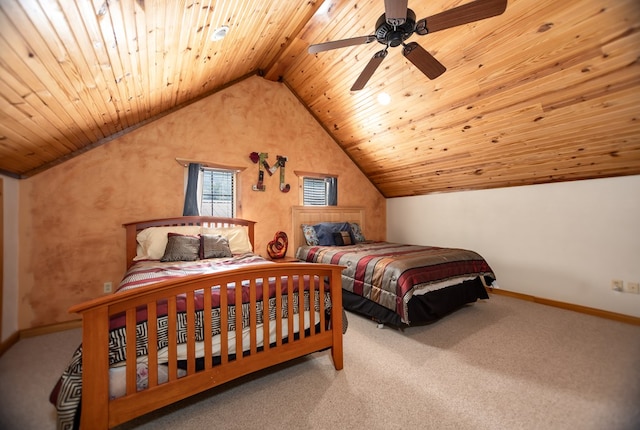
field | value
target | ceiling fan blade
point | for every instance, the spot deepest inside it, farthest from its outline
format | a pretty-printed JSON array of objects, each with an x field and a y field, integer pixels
[
  {"x": 326, "y": 46},
  {"x": 464, "y": 14},
  {"x": 369, "y": 70},
  {"x": 424, "y": 61},
  {"x": 395, "y": 11}
]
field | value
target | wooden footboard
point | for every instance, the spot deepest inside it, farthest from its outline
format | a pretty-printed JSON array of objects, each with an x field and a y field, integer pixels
[{"x": 100, "y": 412}]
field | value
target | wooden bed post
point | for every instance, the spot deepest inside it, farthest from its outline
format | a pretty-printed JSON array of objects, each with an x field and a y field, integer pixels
[
  {"x": 95, "y": 372},
  {"x": 131, "y": 243}
]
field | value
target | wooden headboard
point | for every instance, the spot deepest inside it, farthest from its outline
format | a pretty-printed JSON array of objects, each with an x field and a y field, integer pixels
[
  {"x": 133, "y": 228},
  {"x": 316, "y": 214}
]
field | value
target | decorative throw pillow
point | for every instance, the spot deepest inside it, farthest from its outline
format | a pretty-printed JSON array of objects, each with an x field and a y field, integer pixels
[
  {"x": 310, "y": 235},
  {"x": 237, "y": 236},
  {"x": 152, "y": 241},
  {"x": 325, "y": 231},
  {"x": 342, "y": 238},
  {"x": 358, "y": 236},
  {"x": 214, "y": 246},
  {"x": 181, "y": 248}
]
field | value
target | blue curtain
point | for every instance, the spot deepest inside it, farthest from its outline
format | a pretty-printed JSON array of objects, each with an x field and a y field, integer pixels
[
  {"x": 332, "y": 195},
  {"x": 191, "y": 196}
]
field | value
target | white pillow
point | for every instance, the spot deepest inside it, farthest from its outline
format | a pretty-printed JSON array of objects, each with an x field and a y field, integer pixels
[
  {"x": 238, "y": 238},
  {"x": 152, "y": 241}
]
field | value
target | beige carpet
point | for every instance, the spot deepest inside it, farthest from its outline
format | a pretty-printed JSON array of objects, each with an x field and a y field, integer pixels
[{"x": 498, "y": 364}]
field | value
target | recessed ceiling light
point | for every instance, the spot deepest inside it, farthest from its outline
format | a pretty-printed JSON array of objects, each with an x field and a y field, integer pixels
[
  {"x": 324, "y": 8},
  {"x": 219, "y": 33},
  {"x": 384, "y": 99}
]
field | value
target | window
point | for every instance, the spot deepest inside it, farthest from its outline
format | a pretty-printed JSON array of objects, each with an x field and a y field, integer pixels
[
  {"x": 320, "y": 191},
  {"x": 218, "y": 192}
]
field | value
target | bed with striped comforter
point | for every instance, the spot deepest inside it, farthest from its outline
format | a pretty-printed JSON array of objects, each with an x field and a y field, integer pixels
[{"x": 405, "y": 284}]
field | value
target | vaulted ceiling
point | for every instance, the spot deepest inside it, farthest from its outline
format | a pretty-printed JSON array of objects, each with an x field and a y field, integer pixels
[{"x": 547, "y": 91}]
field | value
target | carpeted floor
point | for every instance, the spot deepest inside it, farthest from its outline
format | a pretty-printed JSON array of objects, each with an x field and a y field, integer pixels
[{"x": 498, "y": 364}]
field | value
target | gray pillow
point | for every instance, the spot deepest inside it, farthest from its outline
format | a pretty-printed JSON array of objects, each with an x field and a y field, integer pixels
[
  {"x": 181, "y": 248},
  {"x": 214, "y": 246}
]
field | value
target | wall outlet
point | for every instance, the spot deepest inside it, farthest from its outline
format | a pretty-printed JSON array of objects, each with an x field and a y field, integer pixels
[
  {"x": 633, "y": 287},
  {"x": 107, "y": 287},
  {"x": 617, "y": 285}
]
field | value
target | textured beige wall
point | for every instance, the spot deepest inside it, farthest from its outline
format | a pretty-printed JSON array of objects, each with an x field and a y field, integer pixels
[{"x": 71, "y": 216}]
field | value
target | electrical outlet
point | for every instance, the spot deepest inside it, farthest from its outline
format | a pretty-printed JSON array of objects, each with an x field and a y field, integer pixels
[
  {"x": 633, "y": 287},
  {"x": 617, "y": 285},
  {"x": 107, "y": 287}
]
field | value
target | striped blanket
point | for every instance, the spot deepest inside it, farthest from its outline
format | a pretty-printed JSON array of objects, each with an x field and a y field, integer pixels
[
  {"x": 146, "y": 272},
  {"x": 390, "y": 274}
]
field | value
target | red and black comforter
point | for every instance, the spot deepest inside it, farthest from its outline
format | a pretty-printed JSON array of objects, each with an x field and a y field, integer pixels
[{"x": 391, "y": 274}]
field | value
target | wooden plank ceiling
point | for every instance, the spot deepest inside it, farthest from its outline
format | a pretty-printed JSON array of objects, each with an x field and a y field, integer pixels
[{"x": 548, "y": 91}]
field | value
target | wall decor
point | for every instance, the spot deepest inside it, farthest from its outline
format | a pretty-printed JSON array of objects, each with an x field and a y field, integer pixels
[
  {"x": 260, "y": 158},
  {"x": 277, "y": 248},
  {"x": 281, "y": 162}
]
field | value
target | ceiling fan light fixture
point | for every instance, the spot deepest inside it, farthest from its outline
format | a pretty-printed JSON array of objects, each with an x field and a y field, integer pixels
[{"x": 219, "y": 33}]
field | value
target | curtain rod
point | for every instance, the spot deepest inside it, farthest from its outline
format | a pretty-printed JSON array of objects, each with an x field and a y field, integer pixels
[{"x": 185, "y": 163}]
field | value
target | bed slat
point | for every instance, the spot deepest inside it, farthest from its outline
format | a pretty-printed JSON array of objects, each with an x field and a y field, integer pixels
[
  {"x": 224, "y": 322},
  {"x": 131, "y": 351},
  {"x": 300, "y": 311},
  {"x": 278, "y": 311},
  {"x": 253, "y": 317},
  {"x": 207, "y": 321},
  {"x": 172, "y": 343},
  {"x": 290, "y": 315},
  {"x": 152, "y": 343},
  {"x": 238, "y": 310},
  {"x": 191, "y": 334},
  {"x": 312, "y": 302}
]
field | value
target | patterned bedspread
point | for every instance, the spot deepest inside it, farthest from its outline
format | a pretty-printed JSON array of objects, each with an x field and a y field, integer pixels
[
  {"x": 146, "y": 272},
  {"x": 390, "y": 274},
  {"x": 67, "y": 394}
]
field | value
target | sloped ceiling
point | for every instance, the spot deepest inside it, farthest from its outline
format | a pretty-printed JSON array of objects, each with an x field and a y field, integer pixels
[{"x": 548, "y": 91}]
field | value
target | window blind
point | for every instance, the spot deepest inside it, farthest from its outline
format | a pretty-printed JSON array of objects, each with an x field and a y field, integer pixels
[{"x": 218, "y": 193}]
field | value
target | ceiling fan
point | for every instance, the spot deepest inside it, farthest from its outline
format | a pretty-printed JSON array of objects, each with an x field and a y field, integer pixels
[{"x": 398, "y": 23}]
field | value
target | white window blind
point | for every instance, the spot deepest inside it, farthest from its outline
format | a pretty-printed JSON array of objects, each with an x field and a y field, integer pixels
[
  {"x": 218, "y": 193},
  {"x": 318, "y": 191}
]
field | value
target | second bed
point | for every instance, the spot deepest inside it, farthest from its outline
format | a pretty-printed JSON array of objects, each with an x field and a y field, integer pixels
[{"x": 396, "y": 284}]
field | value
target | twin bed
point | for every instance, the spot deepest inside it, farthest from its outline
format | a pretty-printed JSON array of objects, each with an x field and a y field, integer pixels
[{"x": 199, "y": 304}]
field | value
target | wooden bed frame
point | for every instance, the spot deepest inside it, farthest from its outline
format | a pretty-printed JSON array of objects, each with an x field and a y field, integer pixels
[
  {"x": 99, "y": 412},
  {"x": 133, "y": 228}
]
